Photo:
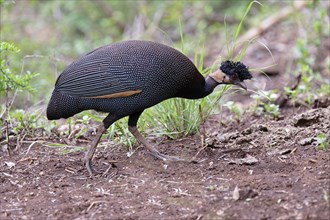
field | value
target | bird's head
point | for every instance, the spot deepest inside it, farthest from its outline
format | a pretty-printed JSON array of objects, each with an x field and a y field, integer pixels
[{"x": 232, "y": 73}]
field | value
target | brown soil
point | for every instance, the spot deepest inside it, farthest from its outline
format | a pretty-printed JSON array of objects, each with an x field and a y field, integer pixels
[{"x": 278, "y": 173}]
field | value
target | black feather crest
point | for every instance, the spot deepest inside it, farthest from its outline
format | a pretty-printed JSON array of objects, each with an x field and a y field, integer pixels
[{"x": 231, "y": 69}]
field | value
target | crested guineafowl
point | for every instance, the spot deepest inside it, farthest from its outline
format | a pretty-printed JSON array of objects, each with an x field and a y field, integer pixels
[{"x": 125, "y": 78}]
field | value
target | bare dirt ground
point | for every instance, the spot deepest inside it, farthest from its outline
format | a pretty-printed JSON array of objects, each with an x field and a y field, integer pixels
[{"x": 278, "y": 174}]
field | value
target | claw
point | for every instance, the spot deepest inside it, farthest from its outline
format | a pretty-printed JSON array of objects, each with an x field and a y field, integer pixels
[
  {"x": 89, "y": 167},
  {"x": 88, "y": 164},
  {"x": 152, "y": 149}
]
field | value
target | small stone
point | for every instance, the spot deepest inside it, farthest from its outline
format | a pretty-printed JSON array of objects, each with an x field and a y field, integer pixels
[
  {"x": 244, "y": 194},
  {"x": 236, "y": 193},
  {"x": 306, "y": 141},
  {"x": 10, "y": 164},
  {"x": 228, "y": 136}
]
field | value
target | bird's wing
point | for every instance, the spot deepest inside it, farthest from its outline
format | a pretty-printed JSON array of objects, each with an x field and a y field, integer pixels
[{"x": 97, "y": 78}]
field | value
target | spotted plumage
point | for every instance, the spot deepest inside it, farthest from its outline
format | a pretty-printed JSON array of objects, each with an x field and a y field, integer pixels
[
  {"x": 158, "y": 71},
  {"x": 125, "y": 78}
]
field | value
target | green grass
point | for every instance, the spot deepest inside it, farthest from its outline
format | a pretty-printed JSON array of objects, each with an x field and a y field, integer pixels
[{"x": 231, "y": 45}]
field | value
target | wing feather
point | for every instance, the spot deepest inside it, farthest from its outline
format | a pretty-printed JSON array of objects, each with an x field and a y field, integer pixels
[{"x": 96, "y": 74}]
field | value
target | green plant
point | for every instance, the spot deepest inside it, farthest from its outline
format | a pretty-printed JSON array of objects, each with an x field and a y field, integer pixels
[
  {"x": 176, "y": 118},
  {"x": 231, "y": 46},
  {"x": 23, "y": 122},
  {"x": 323, "y": 141},
  {"x": 304, "y": 92},
  {"x": 12, "y": 82},
  {"x": 235, "y": 109},
  {"x": 264, "y": 103},
  {"x": 314, "y": 83},
  {"x": 272, "y": 109}
]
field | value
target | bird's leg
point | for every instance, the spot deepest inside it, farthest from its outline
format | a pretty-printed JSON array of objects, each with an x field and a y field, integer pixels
[
  {"x": 151, "y": 148},
  {"x": 132, "y": 121},
  {"x": 92, "y": 148}
]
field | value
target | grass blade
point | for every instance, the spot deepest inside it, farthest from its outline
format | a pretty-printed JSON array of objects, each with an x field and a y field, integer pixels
[{"x": 243, "y": 18}]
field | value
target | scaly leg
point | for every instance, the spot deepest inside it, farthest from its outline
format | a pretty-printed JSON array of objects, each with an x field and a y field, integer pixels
[
  {"x": 132, "y": 121},
  {"x": 92, "y": 148}
]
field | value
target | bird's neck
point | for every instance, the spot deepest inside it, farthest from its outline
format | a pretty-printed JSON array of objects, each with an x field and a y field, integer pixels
[
  {"x": 200, "y": 90},
  {"x": 212, "y": 80},
  {"x": 210, "y": 84}
]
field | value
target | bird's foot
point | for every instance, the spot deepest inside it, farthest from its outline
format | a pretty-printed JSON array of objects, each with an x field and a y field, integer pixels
[{"x": 90, "y": 169}]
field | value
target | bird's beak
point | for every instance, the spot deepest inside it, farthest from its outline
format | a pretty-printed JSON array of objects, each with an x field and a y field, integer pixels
[
  {"x": 222, "y": 78},
  {"x": 240, "y": 84},
  {"x": 235, "y": 81}
]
